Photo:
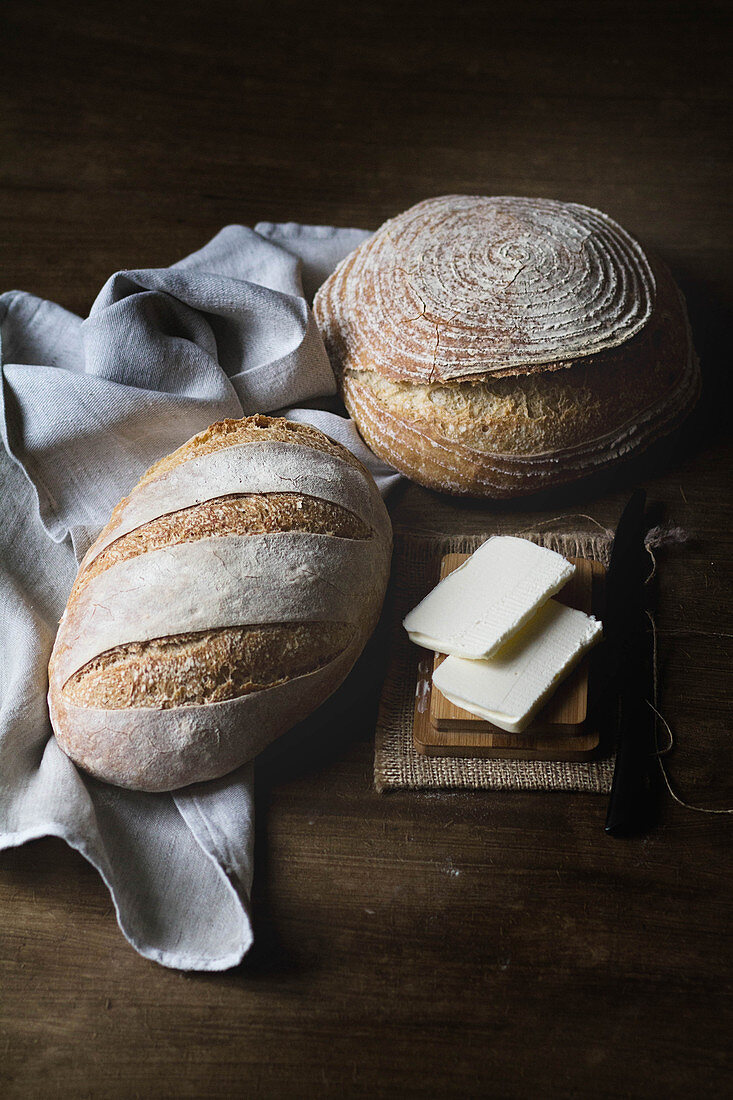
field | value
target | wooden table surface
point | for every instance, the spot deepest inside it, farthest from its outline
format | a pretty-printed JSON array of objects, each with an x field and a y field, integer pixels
[{"x": 467, "y": 944}]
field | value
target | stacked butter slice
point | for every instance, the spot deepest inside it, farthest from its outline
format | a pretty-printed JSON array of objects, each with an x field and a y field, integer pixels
[{"x": 509, "y": 644}]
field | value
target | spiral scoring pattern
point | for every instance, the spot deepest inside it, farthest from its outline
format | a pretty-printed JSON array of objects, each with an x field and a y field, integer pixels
[{"x": 463, "y": 285}]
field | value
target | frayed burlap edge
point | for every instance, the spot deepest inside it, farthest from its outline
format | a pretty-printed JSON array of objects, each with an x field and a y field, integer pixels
[{"x": 396, "y": 762}]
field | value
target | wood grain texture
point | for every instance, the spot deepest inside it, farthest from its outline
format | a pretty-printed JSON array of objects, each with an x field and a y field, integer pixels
[
  {"x": 490, "y": 743},
  {"x": 458, "y": 944}
]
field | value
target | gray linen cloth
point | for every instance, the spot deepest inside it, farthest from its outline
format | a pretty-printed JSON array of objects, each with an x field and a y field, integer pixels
[{"x": 85, "y": 408}]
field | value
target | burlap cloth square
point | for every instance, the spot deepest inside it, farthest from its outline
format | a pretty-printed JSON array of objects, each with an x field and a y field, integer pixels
[{"x": 397, "y": 764}]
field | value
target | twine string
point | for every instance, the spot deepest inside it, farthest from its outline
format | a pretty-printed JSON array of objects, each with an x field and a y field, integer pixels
[
  {"x": 659, "y": 753},
  {"x": 559, "y": 519},
  {"x": 656, "y": 537}
]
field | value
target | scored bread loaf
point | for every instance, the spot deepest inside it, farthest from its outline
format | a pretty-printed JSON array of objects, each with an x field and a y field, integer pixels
[
  {"x": 498, "y": 346},
  {"x": 228, "y": 597}
]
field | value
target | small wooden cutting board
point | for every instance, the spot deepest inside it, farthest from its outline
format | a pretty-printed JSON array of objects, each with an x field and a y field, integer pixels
[{"x": 559, "y": 732}]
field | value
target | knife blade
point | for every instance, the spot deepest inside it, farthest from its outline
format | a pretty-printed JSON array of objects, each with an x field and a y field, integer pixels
[{"x": 626, "y": 629}]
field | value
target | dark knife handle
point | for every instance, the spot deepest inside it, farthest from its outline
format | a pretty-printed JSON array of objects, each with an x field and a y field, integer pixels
[
  {"x": 631, "y": 667},
  {"x": 633, "y": 793},
  {"x": 631, "y": 805}
]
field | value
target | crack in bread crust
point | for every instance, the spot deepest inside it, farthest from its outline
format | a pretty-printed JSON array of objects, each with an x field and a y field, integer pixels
[
  {"x": 246, "y": 514},
  {"x": 207, "y": 667}
]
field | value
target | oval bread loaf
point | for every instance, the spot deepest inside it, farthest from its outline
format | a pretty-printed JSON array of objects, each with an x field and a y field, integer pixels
[
  {"x": 227, "y": 598},
  {"x": 498, "y": 346}
]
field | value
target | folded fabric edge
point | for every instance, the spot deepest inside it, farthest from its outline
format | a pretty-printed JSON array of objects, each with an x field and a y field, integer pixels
[
  {"x": 43, "y": 499},
  {"x": 170, "y": 959},
  {"x": 236, "y": 892}
]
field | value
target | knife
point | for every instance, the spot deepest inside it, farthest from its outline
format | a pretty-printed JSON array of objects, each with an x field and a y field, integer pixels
[{"x": 626, "y": 629}]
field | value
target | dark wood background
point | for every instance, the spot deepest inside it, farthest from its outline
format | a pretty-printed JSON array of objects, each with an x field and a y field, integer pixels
[{"x": 490, "y": 944}]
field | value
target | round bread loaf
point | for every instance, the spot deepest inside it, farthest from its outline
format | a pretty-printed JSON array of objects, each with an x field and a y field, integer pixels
[
  {"x": 498, "y": 346},
  {"x": 228, "y": 597}
]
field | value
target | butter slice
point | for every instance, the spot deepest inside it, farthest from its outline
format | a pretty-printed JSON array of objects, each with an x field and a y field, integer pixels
[
  {"x": 509, "y": 689},
  {"x": 477, "y": 607}
]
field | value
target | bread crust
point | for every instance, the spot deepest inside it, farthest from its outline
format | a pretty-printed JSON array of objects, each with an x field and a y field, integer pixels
[
  {"x": 448, "y": 466},
  {"x": 516, "y": 427},
  {"x": 464, "y": 286},
  {"x": 212, "y": 666},
  {"x": 254, "y": 514},
  {"x": 155, "y": 711},
  {"x": 250, "y": 429}
]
